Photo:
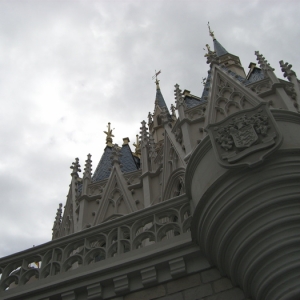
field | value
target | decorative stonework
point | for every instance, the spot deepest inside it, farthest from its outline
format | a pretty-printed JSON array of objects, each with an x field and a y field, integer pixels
[{"x": 246, "y": 137}]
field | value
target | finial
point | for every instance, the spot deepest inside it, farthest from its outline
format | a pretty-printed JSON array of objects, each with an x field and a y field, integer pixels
[
  {"x": 286, "y": 68},
  {"x": 57, "y": 222},
  {"x": 211, "y": 33},
  {"x": 75, "y": 167},
  {"x": 137, "y": 146},
  {"x": 109, "y": 135},
  {"x": 211, "y": 56},
  {"x": 88, "y": 166},
  {"x": 173, "y": 110},
  {"x": 150, "y": 119},
  {"x": 264, "y": 65},
  {"x": 156, "y": 80},
  {"x": 144, "y": 134},
  {"x": 178, "y": 96}
]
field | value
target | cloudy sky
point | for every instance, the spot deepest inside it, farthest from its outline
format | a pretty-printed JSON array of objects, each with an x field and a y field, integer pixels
[{"x": 67, "y": 68}]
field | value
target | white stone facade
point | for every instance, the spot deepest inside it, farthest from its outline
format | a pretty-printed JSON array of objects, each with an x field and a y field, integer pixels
[{"x": 207, "y": 207}]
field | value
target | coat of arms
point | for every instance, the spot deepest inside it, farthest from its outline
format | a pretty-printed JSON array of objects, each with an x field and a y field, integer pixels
[{"x": 246, "y": 137}]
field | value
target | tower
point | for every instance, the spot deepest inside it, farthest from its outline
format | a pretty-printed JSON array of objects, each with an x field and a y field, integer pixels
[{"x": 206, "y": 207}]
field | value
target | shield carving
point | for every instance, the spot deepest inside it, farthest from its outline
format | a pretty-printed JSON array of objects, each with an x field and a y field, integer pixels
[{"x": 245, "y": 137}]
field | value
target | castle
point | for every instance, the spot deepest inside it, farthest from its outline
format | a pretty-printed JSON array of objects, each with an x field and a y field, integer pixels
[{"x": 205, "y": 207}]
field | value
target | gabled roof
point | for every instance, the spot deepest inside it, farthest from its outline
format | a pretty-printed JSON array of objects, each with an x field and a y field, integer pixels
[
  {"x": 192, "y": 101},
  {"x": 256, "y": 75}
]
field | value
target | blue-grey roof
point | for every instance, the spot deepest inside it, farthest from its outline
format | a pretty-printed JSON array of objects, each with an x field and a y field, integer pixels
[
  {"x": 160, "y": 99},
  {"x": 127, "y": 160},
  {"x": 192, "y": 102},
  {"x": 219, "y": 49},
  {"x": 238, "y": 77},
  {"x": 128, "y": 163},
  {"x": 103, "y": 169},
  {"x": 256, "y": 75}
]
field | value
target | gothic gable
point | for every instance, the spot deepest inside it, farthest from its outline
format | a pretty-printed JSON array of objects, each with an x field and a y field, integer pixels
[
  {"x": 117, "y": 199},
  {"x": 227, "y": 96}
]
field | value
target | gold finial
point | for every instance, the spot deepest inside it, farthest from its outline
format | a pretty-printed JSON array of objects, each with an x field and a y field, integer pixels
[
  {"x": 109, "y": 135},
  {"x": 137, "y": 146},
  {"x": 208, "y": 48},
  {"x": 209, "y": 52},
  {"x": 211, "y": 33},
  {"x": 156, "y": 80}
]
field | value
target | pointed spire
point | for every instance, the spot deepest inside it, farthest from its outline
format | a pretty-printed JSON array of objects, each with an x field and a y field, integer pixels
[
  {"x": 87, "y": 175},
  {"x": 159, "y": 99},
  {"x": 109, "y": 135},
  {"x": 57, "y": 222},
  {"x": 144, "y": 147},
  {"x": 219, "y": 49}
]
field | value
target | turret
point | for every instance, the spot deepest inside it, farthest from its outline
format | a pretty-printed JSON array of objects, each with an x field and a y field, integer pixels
[
  {"x": 231, "y": 62},
  {"x": 160, "y": 115}
]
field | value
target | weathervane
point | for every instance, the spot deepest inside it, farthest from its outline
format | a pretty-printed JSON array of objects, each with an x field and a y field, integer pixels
[
  {"x": 156, "y": 80},
  {"x": 109, "y": 135},
  {"x": 211, "y": 33}
]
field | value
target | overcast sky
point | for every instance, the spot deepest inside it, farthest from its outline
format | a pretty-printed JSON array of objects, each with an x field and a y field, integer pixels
[{"x": 67, "y": 68}]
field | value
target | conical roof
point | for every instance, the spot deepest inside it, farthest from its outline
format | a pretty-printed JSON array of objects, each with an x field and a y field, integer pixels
[
  {"x": 160, "y": 99},
  {"x": 219, "y": 49}
]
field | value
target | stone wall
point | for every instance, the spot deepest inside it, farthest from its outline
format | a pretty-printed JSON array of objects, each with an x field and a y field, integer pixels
[{"x": 208, "y": 285}]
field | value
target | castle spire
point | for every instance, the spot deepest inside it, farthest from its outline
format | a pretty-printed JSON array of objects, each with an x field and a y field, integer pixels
[
  {"x": 159, "y": 99},
  {"x": 222, "y": 56},
  {"x": 218, "y": 48}
]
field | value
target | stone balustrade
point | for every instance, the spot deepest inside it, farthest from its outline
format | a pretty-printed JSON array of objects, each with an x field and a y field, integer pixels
[{"x": 107, "y": 240}]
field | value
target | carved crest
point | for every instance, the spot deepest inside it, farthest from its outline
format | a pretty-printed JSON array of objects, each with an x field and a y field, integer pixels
[{"x": 246, "y": 137}]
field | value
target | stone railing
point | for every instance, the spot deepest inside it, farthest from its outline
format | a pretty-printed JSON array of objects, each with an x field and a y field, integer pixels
[{"x": 109, "y": 239}]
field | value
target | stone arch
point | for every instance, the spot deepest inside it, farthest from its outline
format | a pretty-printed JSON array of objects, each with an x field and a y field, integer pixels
[{"x": 175, "y": 185}]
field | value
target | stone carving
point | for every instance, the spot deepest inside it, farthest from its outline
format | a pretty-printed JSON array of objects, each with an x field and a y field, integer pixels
[
  {"x": 246, "y": 137},
  {"x": 67, "y": 254}
]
